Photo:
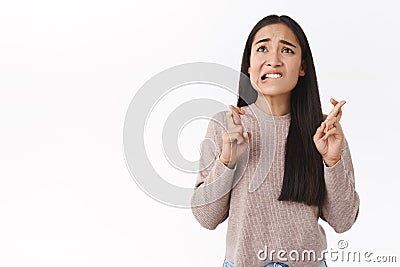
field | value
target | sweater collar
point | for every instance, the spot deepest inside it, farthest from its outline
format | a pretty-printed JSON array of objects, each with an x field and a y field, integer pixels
[{"x": 268, "y": 116}]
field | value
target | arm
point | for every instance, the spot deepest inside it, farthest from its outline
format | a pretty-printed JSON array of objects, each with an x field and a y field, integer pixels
[
  {"x": 342, "y": 202},
  {"x": 211, "y": 196}
]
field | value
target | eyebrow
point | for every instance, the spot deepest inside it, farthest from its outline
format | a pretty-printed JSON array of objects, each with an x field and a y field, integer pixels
[{"x": 281, "y": 41}]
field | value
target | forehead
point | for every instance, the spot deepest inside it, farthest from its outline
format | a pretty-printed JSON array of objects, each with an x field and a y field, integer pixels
[{"x": 276, "y": 31}]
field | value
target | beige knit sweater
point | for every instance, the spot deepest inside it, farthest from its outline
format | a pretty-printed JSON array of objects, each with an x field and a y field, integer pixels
[{"x": 259, "y": 225}]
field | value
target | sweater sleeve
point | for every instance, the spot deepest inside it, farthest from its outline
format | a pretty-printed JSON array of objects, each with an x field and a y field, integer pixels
[
  {"x": 211, "y": 196},
  {"x": 342, "y": 202}
]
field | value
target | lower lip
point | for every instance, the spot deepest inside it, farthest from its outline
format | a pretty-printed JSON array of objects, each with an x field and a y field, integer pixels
[{"x": 269, "y": 79}]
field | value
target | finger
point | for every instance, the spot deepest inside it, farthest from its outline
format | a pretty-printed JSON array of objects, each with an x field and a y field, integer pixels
[
  {"x": 236, "y": 137},
  {"x": 236, "y": 129},
  {"x": 247, "y": 137},
  {"x": 339, "y": 128},
  {"x": 320, "y": 132},
  {"x": 235, "y": 115},
  {"x": 329, "y": 124},
  {"x": 330, "y": 132},
  {"x": 336, "y": 109},
  {"x": 239, "y": 110},
  {"x": 235, "y": 110},
  {"x": 233, "y": 150},
  {"x": 331, "y": 121},
  {"x": 229, "y": 120},
  {"x": 339, "y": 116},
  {"x": 233, "y": 137}
]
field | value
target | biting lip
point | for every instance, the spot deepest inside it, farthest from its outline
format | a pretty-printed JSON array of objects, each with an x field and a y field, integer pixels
[{"x": 271, "y": 75}]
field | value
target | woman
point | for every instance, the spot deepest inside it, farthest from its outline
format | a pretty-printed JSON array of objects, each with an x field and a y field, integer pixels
[{"x": 290, "y": 176}]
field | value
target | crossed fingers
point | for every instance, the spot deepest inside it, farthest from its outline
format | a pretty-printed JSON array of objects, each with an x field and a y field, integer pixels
[
  {"x": 334, "y": 116},
  {"x": 234, "y": 118},
  {"x": 234, "y": 124}
]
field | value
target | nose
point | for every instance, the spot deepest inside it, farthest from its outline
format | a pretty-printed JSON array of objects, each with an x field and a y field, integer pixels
[{"x": 273, "y": 59}]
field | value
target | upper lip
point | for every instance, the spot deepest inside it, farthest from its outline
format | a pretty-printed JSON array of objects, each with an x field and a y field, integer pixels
[{"x": 271, "y": 72}]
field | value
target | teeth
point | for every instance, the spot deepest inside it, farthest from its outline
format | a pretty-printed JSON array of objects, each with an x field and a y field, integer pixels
[{"x": 273, "y": 76}]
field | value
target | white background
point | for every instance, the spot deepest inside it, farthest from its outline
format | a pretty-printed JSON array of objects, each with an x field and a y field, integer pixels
[{"x": 68, "y": 71}]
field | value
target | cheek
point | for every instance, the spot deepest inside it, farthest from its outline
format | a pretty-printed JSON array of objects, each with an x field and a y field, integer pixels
[
  {"x": 296, "y": 66},
  {"x": 255, "y": 64},
  {"x": 255, "y": 60},
  {"x": 295, "y": 69}
]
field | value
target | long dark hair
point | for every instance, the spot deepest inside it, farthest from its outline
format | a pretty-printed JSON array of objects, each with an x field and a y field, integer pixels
[{"x": 304, "y": 173}]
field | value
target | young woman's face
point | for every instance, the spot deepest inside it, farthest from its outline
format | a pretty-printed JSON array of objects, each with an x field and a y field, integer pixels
[{"x": 275, "y": 60}]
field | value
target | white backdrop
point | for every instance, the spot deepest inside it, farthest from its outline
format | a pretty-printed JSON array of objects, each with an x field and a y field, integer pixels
[{"x": 68, "y": 71}]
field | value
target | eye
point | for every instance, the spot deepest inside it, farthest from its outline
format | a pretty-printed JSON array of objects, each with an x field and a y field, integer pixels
[
  {"x": 287, "y": 50},
  {"x": 262, "y": 49}
]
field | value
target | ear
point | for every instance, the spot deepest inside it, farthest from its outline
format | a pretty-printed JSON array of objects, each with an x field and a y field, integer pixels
[{"x": 302, "y": 70}]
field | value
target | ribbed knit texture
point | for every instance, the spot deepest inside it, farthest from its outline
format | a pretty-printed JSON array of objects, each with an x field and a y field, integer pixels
[{"x": 248, "y": 195}]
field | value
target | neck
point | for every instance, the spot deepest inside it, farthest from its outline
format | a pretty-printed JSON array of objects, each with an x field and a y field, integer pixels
[{"x": 277, "y": 105}]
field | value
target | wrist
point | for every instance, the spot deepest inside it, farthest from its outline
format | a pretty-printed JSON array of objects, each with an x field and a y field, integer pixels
[
  {"x": 330, "y": 162},
  {"x": 227, "y": 163}
]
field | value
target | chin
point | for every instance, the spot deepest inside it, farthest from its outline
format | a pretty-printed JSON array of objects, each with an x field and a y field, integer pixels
[{"x": 274, "y": 91}]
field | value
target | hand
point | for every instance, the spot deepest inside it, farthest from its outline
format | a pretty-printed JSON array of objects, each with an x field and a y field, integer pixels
[
  {"x": 235, "y": 142},
  {"x": 329, "y": 136}
]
